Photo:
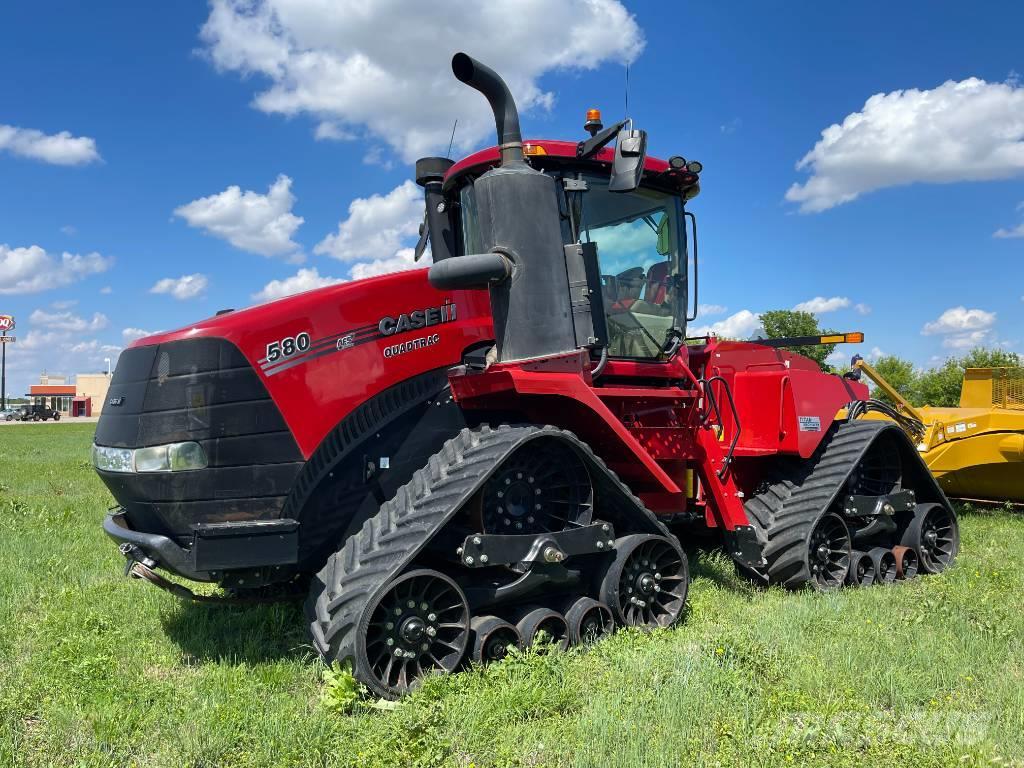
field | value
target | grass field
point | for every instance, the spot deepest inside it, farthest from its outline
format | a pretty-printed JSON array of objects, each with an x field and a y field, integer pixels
[{"x": 99, "y": 670}]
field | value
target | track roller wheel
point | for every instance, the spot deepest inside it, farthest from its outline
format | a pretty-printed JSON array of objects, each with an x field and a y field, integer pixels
[
  {"x": 935, "y": 535},
  {"x": 419, "y": 624},
  {"x": 884, "y": 563},
  {"x": 828, "y": 552},
  {"x": 906, "y": 562},
  {"x": 646, "y": 584},
  {"x": 492, "y": 638},
  {"x": 551, "y": 623},
  {"x": 862, "y": 570},
  {"x": 588, "y": 621}
]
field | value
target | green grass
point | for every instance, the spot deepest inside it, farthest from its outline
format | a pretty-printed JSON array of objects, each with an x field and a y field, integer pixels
[{"x": 99, "y": 670}]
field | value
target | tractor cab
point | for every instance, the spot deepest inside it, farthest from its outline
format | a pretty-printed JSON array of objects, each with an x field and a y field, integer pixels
[{"x": 634, "y": 221}]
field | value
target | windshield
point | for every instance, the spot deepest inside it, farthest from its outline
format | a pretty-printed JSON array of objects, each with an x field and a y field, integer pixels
[{"x": 640, "y": 250}]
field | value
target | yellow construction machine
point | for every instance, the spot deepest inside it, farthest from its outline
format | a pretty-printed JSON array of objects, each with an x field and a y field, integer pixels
[{"x": 976, "y": 450}]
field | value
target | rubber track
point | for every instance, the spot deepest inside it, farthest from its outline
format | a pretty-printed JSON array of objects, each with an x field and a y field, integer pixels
[
  {"x": 389, "y": 541},
  {"x": 786, "y": 509}
]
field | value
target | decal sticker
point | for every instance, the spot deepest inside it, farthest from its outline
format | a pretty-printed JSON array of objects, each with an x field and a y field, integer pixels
[
  {"x": 961, "y": 427},
  {"x": 409, "y": 346},
  {"x": 287, "y": 346},
  {"x": 285, "y": 353},
  {"x": 810, "y": 423}
]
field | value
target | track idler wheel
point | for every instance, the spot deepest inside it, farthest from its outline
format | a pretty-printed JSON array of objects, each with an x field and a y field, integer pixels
[
  {"x": 935, "y": 535},
  {"x": 492, "y": 638},
  {"x": 862, "y": 570},
  {"x": 418, "y": 624},
  {"x": 884, "y": 563},
  {"x": 537, "y": 621},
  {"x": 647, "y": 582},
  {"x": 906, "y": 562},
  {"x": 542, "y": 487},
  {"x": 588, "y": 621},
  {"x": 828, "y": 553}
]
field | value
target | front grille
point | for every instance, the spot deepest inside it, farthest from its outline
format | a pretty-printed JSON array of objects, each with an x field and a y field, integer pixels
[{"x": 202, "y": 390}]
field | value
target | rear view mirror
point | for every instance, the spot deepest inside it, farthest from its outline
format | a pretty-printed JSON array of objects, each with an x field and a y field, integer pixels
[{"x": 628, "y": 166}]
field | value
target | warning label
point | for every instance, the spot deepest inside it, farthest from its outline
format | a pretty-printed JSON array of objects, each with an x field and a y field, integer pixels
[{"x": 810, "y": 424}]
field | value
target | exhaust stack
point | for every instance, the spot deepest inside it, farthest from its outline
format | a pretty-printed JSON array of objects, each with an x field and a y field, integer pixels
[
  {"x": 523, "y": 263},
  {"x": 506, "y": 117}
]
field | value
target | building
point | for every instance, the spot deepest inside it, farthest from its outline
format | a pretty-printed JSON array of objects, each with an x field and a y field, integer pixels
[
  {"x": 83, "y": 398},
  {"x": 90, "y": 393}
]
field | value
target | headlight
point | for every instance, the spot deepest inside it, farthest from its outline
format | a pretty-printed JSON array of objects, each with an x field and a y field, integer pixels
[{"x": 174, "y": 457}]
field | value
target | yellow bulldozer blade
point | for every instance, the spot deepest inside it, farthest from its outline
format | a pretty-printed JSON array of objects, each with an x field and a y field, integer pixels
[{"x": 976, "y": 450}]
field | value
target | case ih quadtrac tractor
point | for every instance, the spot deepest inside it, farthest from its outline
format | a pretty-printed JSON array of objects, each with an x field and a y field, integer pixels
[{"x": 512, "y": 442}]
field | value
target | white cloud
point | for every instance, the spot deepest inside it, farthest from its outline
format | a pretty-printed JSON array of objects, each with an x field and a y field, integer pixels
[
  {"x": 400, "y": 262},
  {"x": 383, "y": 68},
  {"x": 328, "y": 131},
  {"x": 959, "y": 319},
  {"x": 862, "y": 309},
  {"x": 1003, "y": 233},
  {"x": 67, "y": 321},
  {"x": 962, "y": 328},
  {"x": 875, "y": 353},
  {"x": 32, "y": 269},
  {"x": 838, "y": 357},
  {"x": 131, "y": 334},
  {"x": 303, "y": 280},
  {"x": 819, "y": 305},
  {"x": 106, "y": 290},
  {"x": 58, "y": 148},
  {"x": 711, "y": 309},
  {"x": 182, "y": 288},
  {"x": 737, "y": 326},
  {"x": 960, "y": 131},
  {"x": 262, "y": 224},
  {"x": 376, "y": 225}
]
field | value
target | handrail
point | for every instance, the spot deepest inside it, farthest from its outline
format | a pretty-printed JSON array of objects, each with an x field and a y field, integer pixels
[{"x": 709, "y": 393}]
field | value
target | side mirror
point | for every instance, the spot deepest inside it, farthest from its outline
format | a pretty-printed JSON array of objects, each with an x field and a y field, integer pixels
[{"x": 628, "y": 166}]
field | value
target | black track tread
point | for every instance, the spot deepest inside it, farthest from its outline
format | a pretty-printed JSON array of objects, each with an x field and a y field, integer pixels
[
  {"x": 785, "y": 511},
  {"x": 390, "y": 540}
]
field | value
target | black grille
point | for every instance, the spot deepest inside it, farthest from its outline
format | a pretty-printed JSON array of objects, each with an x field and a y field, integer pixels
[{"x": 202, "y": 390}]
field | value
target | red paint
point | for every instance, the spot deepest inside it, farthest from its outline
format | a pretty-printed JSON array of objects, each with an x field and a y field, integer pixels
[{"x": 646, "y": 420}]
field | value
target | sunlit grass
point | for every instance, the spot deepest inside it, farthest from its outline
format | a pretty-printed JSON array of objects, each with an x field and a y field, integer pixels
[{"x": 98, "y": 670}]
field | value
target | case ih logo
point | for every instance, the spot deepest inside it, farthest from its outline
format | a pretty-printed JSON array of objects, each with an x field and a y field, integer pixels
[{"x": 6, "y": 323}]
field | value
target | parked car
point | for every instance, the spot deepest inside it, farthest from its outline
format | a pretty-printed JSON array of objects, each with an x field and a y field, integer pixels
[
  {"x": 38, "y": 413},
  {"x": 8, "y": 414}
]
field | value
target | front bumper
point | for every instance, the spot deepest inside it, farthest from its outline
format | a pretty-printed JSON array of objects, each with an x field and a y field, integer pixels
[{"x": 217, "y": 548}]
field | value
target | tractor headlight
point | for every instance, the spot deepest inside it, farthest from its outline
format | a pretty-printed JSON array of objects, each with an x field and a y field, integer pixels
[{"x": 175, "y": 457}]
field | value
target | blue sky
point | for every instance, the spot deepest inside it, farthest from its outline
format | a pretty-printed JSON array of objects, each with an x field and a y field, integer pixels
[{"x": 198, "y": 136}]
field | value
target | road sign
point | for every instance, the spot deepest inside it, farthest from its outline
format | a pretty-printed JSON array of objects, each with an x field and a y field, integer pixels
[{"x": 7, "y": 339}]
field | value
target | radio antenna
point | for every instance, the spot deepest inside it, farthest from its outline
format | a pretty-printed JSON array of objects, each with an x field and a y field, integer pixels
[{"x": 452, "y": 140}]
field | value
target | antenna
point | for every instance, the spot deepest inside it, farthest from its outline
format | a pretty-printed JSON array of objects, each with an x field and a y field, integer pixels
[
  {"x": 452, "y": 140},
  {"x": 626, "y": 115}
]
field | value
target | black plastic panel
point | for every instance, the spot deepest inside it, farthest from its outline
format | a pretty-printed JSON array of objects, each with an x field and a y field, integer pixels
[{"x": 202, "y": 390}]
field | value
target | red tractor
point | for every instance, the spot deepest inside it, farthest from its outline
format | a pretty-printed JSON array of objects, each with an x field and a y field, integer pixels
[{"x": 511, "y": 442}]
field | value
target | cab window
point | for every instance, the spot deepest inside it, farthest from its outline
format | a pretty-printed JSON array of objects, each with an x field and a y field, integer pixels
[{"x": 637, "y": 236}]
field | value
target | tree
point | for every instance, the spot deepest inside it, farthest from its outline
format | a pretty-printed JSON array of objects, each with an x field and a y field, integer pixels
[
  {"x": 783, "y": 323},
  {"x": 941, "y": 386},
  {"x": 901, "y": 376}
]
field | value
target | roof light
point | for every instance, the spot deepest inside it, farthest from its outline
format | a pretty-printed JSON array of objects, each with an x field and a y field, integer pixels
[
  {"x": 694, "y": 166},
  {"x": 593, "y": 124},
  {"x": 534, "y": 149},
  {"x": 677, "y": 162}
]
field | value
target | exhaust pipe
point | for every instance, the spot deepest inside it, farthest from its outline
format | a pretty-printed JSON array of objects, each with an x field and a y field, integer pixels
[{"x": 506, "y": 117}]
